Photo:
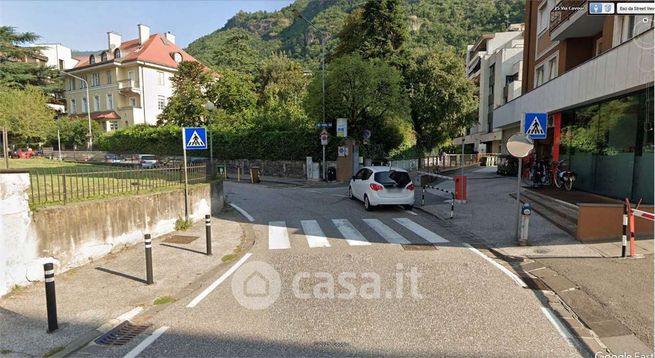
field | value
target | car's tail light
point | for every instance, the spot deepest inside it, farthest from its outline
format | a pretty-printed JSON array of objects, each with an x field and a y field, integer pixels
[
  {"x": 376, "y": 187},
  {"x": 410, "y": 187},
  {"x": 143, "y": 162}
]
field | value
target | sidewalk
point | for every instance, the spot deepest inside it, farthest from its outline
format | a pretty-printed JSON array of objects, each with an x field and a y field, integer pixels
[
  {"x": 620, "y": 290},
  {"x": 101, "y": 291}
]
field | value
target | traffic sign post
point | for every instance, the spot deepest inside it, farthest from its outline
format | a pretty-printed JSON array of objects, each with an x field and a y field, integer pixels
[
  {"x": 193, "y": 138},
  {"x": 535, "y": 125},
  {"x": 324, "y": 138},
  {"x": 519, "y": 146}
]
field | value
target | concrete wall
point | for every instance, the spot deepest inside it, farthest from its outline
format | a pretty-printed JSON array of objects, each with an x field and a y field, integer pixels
[
  {"x": 277, "y": 168},
  {"x": 75, "y": 234}
]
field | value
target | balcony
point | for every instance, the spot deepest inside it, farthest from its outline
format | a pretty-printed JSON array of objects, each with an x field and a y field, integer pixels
[
  {"x": 569, "y": 19},
  {"x": 129, "y": 86}
]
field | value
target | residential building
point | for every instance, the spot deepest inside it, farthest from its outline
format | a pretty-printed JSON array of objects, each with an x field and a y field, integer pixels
[
  {"x": 494, "y": 64},
  {"x": 57, "y": 55},
  {"x": 593, "y": 75},
  {"x": 129, "y": 81}
]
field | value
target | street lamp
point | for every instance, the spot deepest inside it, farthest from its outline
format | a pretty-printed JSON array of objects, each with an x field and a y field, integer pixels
[
  {"x": 209, "y": 106},
  {"x": 88, "y": 107},
  {"x": 59, "y": 114},
  {"x": 324, "y": 36}
]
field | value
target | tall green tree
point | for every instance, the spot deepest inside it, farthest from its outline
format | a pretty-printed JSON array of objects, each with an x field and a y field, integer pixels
[
  {"x": 442, "y": 100},
  {"x": 73, "y": 132},
  {"x": 364, "y": 91},
  {"x": 282, "y": 79},
  {"x": 187, "y": 105},
  {"x": 25, "y": 114},
  {"x": 239, "y": 50},
  {"x": 14, "y": 71}
]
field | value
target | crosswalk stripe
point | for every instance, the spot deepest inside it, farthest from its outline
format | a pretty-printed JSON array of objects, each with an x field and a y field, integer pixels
[
  {"x": 314, "y": 234},
  {"x": 353, "y": 236},
  {"x": 386, "y": 232},
  {"x": 278, "y": 237},
  {"x": 420, "y": 231}
]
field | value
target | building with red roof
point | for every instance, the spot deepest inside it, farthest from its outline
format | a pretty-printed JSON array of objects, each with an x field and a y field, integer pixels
[{"x": 129, "y": 82}]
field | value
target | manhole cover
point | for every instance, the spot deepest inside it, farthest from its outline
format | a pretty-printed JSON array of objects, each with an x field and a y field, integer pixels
[
  {"x": 180, "y": 239},
  {"x": 121, "y": 334},
  {"x": 419, "y": 247}
]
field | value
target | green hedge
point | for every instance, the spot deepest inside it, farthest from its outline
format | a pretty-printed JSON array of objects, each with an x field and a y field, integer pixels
[{"x": 247, "y": 144}]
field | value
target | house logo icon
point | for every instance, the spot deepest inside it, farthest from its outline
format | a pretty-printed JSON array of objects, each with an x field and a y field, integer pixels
[{"x": 256, "y": 285}]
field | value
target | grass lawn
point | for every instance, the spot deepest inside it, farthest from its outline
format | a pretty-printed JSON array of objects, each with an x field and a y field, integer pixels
[{"x": 43, "y": 165}]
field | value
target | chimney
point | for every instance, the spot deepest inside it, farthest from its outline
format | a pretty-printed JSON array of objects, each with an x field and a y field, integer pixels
[
  {"x": 114, "y": 40},
  {"x": 170, "y": 37},
  {"x": 144, "y": 33}
]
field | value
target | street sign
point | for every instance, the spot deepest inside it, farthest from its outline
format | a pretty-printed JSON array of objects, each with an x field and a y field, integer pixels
[
  {"x": 535, "y": 125},
  {"x": 324, "y": 137},
  {"x": 366, "y": 134},
  {"x": 342, "y": 127},
  {"x": 324, "y": 125},
  {"x": 519, "y": 145},
  {"x": 194, "y": 138},
  {"x": 343, "y": 151}
]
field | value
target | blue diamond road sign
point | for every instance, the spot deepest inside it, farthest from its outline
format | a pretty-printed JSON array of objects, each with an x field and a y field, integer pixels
[
  {"x": 535, "y": 125},
  {"x": 195, "y": 138}
]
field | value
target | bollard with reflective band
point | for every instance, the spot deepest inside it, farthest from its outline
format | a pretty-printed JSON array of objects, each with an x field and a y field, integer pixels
[
  {"x": 208, "y": 234},
  {"x": 526, "y": 211},
  {"x": 50, "y": 296},
  {"x": 452, "y": 206},
  {"x": 148, "y": 242},
  {"x": 423, "y": 195},
  {"x": 624, "y": 237}
]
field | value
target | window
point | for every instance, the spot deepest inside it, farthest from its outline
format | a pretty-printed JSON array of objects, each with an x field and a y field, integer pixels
[
  {"x": 61, "y": 64},
  {"x": 540, "y": 76},
  {"x": 543, "y": 18},
  {"x": 84, "y": 105},
  {"x": 110, "y": 102},
  {"x": 117, "y": 53},
  {"x": 95, "y": 80},
  {"x": 73, "y": 108},
  {"x": 160, "y": 78},
  {"x": 109, "y": 80},
  {"x": 552, "y": 68},
  {"x": 71, "y": 84},
  {"x": 161, "y": 102},
  {"x": 96, "y": 103},
  {"x": 103, "y": 56},
  {"x": 92, "y": 59},
  {"x": 113, "y": 125},
  {"x": 83, "y": 83},
  {"x": 132, "y": 102}
]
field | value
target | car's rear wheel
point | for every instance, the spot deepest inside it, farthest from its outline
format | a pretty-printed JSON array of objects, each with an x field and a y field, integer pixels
[
  {"x": 350, "y": 193},
  {"x": 408, "y": 207},
  {"x": 367, "y": 204}
]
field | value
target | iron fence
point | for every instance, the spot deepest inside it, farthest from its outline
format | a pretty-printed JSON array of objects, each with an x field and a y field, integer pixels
[{"x": 65, "y": 185}]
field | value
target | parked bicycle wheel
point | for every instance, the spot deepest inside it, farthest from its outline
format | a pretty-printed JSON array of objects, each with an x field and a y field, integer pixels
[
  {"x": 557, "y": 180},
  {"x": 568, "y": 183}
]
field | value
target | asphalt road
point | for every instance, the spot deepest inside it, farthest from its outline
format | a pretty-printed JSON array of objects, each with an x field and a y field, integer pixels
[{"x": 327, "y": 278}]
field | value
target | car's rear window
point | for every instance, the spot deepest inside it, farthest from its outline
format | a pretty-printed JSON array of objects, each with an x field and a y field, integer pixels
[
  {"x": 397, "y": 178},
  {"x": 148, "y": 157}
]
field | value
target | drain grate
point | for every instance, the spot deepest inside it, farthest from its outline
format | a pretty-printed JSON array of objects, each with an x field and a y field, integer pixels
[
  {"x": 121, "y": 334},
  {"x": 419, "y": 247},
  {"x": 180, "y": 239}
]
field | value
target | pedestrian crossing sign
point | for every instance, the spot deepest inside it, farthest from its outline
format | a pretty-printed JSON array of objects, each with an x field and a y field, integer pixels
[
  {"x": 195, "y": 138},
  {"x": 535, "y": 125}
]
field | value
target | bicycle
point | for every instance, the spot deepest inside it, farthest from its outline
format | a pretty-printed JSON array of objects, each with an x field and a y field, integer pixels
[
  {"x": 563, "y": 177},
  {"x": 538, "y": 175}
]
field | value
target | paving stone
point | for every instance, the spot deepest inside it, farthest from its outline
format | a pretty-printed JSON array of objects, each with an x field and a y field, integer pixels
[
  {"x": 584, "y": 306},
  {"x": 528, "y": 267},
  {"x": 546, "y": 272},
  {"x": 609, "y": 328},
  {"x": 628, "y": 344}
]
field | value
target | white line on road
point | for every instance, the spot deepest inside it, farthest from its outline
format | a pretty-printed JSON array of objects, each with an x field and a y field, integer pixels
[
  {"x": 420, "y": 231},
  {"x": 315, "y": 236},
  {"x": 215, "y": 284},
  {"x": 411, "y": 212},
  {"x": 130, "y": 314},
  {"x": 563, "y": 331},
  {"x": 386, "y": 232},
  {"x": 243, "y": 212},
  {"x": 353, "y": 236},
  {"x": 146, "y": 342},
  {"x": 498, "y": 266},
  {"x": 278, "y": 236}
]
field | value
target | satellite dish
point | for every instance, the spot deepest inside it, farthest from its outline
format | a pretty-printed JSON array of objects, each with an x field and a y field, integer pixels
[{"x": 519, "y": 145}]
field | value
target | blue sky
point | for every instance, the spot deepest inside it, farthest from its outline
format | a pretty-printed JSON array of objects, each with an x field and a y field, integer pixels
[{"x": 83, "y": 25}]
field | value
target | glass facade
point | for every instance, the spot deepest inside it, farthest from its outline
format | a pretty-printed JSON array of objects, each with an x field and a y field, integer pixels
[{"x": 609, "y": 145}]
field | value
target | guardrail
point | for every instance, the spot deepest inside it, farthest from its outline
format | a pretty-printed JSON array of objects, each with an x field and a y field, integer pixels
[{"x": 62, "y": 186}]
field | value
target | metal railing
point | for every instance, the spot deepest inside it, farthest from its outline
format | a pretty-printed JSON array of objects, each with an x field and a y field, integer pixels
[
  {"x": 563, "y": 11},
  {"x": 69, "y": 185}
]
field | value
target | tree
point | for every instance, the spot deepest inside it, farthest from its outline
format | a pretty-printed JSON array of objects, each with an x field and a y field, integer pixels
[
  {"x": 73, "y": 132},
  {"x": 282, "y": 79},
  {"x": 238, "y": 51},
  {"x": 442, "y": 100},
  {"x": 233, "y": 92},
  {"x": 187, "y": 105},
  {"x": 25, "y": 114},
  {"x": 17, "y": 74},
  {"x": 364, "y": 91}
]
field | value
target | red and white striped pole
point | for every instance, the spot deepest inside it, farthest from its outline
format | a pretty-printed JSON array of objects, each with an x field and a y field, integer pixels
[
  {"x": 624, "y": 237},
  {"x": 631, "y": 218}
]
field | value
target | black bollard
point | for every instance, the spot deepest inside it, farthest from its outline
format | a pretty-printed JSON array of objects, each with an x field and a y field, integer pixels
[
  {"x": 50, "y": 296},
  {"x": 148, "y": 241},
  {"x": 208, "y": 234}
]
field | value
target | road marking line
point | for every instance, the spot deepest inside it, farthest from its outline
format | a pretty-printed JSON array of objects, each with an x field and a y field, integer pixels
[
  {"x": 130, "y": 314},
  {"x": 353, "y": 236},
  {"x": 555, "y": 321},
  {"x": 498, "y": 266},
  {"x": 411, "y": 212},
  {"x": 215, "y": 284},
  {"x": 278, "y": 237},
  {"x": 243, "y": 212},
  {"x": 315, "y": 236},
  {"x": 146, "y": 342},
  {"x": 386, "y": 232},
  {"x": 420, "y": 231}
]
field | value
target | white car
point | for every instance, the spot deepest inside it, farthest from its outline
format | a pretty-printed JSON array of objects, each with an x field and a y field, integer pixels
[
  {"x": 147, "y": 161},
  {"x": 382, "y": 186}
]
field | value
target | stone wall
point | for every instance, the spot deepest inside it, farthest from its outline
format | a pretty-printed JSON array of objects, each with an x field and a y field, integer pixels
[
  {"x": 277, "y": 168},
  {"x": 78, "y": 233}
]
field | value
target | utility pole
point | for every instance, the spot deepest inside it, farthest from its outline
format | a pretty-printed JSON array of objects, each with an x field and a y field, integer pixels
[{"x": 88, "y": 107}]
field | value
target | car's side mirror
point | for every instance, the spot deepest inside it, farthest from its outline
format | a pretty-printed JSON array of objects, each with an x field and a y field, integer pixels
[{"x": 353, "y": 177}]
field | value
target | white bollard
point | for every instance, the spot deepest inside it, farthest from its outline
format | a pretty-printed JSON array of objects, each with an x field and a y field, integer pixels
[{"x": 526, "y": 211}]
